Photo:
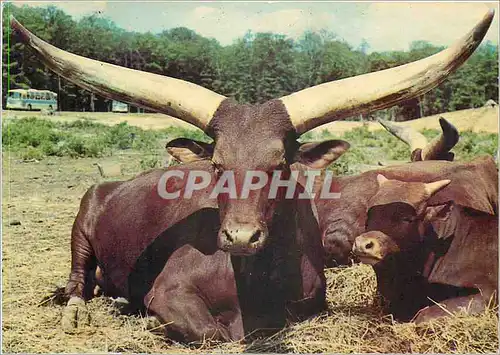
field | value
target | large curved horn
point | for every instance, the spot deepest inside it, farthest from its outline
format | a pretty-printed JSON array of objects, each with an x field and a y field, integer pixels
[
  {"x": 413, "y": 138},
  {"x": 181, "y": 99},
  {"x": 332, "y": 101},
  {"x": 437, "y": 149}
]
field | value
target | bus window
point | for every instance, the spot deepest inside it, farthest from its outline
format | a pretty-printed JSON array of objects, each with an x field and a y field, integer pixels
[{"x": 14, "y": 95}]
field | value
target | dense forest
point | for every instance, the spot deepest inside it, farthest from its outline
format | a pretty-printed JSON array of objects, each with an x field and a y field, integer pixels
[{"x": 255, "y": 68}]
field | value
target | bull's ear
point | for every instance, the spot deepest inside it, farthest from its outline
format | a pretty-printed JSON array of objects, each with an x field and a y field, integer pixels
[
  {"x": 433, "y": 187},
  {"x": 321, "y": 154},
  {"x": 187, "y": 150}
]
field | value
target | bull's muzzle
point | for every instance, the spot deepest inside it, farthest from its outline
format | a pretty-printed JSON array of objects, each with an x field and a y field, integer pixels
[{"x": 242, "y": 239}]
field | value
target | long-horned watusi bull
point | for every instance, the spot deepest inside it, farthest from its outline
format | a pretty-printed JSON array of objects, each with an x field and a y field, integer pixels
[
  {"x": 162, "y": 255},
  {"x": 257, "y": 137},
  {"x": 423, "y": 254}
]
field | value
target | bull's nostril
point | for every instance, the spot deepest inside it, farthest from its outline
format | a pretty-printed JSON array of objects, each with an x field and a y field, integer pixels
[
  {"x": 255, "y": 237},
  {"x": 228, "y": 236},
  {"x": 369, "y": 245}
]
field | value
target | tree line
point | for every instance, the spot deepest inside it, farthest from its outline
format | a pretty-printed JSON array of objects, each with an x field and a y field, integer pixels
[{"x": 253, "y": 69}]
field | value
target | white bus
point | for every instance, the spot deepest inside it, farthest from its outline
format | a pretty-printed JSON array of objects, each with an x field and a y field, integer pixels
[
  {"x": 118, "y": 106},
  {"x": 31, "y": 99}
]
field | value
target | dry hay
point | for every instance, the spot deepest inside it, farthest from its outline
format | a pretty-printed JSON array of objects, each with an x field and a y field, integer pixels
[
  {"x": 353, "y": 324},
  {"x": 44, "y": 198}
]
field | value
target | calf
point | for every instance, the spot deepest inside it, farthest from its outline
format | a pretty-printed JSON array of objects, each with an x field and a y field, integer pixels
[{"x": 425, "y": 253}]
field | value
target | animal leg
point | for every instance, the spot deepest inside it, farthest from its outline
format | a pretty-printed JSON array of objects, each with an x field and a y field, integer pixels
[
  {"x": 186, "y": 316},
  {"x": 472, "y": 304},
  {"x": 79, "y": 286}
]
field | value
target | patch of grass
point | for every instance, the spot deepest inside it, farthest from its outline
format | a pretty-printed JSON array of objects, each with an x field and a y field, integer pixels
[
  {"x": 368, "y": 148},
  {"x": 150, "y": 162},
  {"x": 470, "y": 144},
  {"x": 33, "y": 137},
  {"x": 32, "y": 153},
  {"x": 180, "y": 132}
]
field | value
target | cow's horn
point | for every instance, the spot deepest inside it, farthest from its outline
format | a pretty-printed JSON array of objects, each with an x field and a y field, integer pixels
[
  {"x": 413, "y": 138},
  {"x": 381, "y": 179},
  {"x": 181, "y": 99},
  {"x": 332, "y": 101},
  {"x": 442, "y": 144},
  {"x": 433, "y": 187},
  {"x": 437, "y": 149}
]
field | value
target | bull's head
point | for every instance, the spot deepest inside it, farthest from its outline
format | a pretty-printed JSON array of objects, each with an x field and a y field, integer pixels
[
  {"x": 398, "y": 216},
  {"x": 257, "y": 137}
]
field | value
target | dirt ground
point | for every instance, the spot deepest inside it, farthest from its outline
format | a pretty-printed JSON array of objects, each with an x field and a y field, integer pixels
[{"x": 40, "y": 201}]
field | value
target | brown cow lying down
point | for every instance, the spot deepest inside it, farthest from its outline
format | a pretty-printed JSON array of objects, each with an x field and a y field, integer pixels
[
  {"x": 473, "y": 185},
  {"x": 423, "y": 254},
  {"x": 163, "y": 256}
]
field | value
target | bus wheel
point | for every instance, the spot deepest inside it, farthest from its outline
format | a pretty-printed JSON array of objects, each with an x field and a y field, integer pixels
[
  {"x": 29, "y": 107},
  {"x": 50, "y": 108}
]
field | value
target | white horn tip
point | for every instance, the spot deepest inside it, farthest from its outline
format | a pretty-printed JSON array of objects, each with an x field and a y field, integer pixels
[
  {"x": 381, "y": 179},
  {"x": 433, "y": 187}
]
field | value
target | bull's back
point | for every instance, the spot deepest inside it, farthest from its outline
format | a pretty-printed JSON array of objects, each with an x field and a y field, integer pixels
[{"x": 472, "y": 258}]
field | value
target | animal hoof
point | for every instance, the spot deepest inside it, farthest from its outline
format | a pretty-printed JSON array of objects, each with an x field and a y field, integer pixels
[{"x": 75, "y": 315}]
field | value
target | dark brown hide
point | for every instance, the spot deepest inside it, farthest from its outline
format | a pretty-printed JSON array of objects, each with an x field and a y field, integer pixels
[
  {"x": 472, "y": 259},
  {"x": 118, "y": 220},
  {"x": 213, "y": 294},
  {"x": 474, "y": 185}
]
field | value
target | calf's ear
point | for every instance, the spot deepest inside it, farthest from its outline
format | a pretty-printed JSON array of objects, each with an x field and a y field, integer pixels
[
  {"x": 187, "y": 150},
  {"x": 442, "y": 219},
  {"x": 319, "y": 155}
]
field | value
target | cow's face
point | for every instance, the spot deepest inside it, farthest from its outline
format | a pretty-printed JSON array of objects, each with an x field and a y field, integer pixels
[
  {"x": 396, "y": 217},
  {"x": 251, "y": 145}
]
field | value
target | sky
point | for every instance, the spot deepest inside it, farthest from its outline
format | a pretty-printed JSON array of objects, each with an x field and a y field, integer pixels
[{"x": 384, "y": 25}]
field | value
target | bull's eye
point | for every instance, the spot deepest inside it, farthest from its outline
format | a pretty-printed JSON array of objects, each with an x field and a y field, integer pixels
[{"x": 407, "y": 219}]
